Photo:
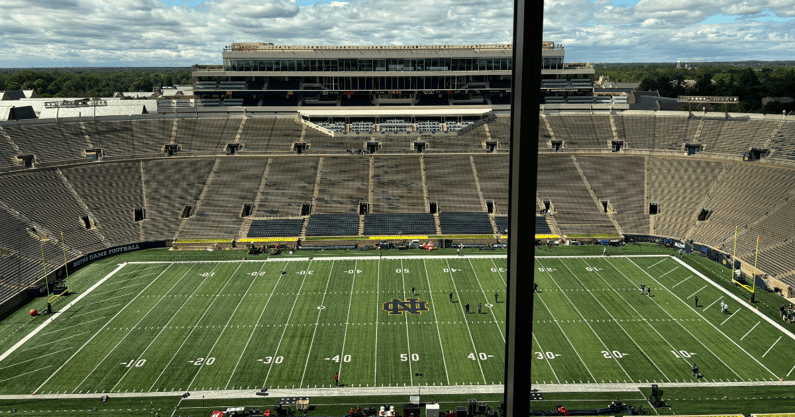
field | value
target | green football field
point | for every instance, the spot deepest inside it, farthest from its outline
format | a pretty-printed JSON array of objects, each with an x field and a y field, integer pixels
[
  {"x": 592, "y": 324},
  {"x": 155, "y": 327},
  {"x": 231, "y": 325}
]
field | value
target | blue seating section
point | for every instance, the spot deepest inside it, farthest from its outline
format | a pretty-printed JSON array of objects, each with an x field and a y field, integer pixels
[
  {"x": 465, "y": 223},
  {"x": 399, "y": 224},
  {"x": 502, "y": 224},
  {"x": 275, "y": 228},
  {"x": 333, "y": 225},
  {"x": 542, "y": 227}
]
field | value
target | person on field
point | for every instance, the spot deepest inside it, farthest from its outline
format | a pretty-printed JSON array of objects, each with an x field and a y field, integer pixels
[
  {"x": 695, "y": 370},
  {"x": 478, "y": 308},
  {"x": 466, "y": 307},
  {"x": 696, "y": 301},
  {"x": 497, "y": 295},
  {"x": 451, "y": 297},
  {"x": 336, "y": 379}
]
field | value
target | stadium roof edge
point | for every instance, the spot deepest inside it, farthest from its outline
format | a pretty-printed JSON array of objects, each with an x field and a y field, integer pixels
[{"x": 394, "y": 112}]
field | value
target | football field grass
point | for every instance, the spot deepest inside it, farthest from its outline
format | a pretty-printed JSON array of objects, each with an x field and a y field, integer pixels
[
  {"x": 592, "y": 324},
  {"x": 230, "y": 325}
]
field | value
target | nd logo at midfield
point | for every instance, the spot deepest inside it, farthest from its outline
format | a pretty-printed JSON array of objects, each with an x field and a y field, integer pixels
[{"x": 411, "y": 306}]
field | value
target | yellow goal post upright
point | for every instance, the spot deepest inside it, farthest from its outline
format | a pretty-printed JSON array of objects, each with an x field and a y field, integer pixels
[{"x": 736, "y": 272}]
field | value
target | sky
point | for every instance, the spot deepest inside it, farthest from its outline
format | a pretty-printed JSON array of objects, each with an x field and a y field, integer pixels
[{"x": 117, "y": 33}]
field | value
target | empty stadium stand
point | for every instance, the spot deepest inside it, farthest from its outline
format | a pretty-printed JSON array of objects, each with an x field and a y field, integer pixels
[
  {"x": 275, "y": 228},
  {"x": 391, "y": 224},
  {"x": 465, "y": 223},
  {"x": 333, "y": 225}
]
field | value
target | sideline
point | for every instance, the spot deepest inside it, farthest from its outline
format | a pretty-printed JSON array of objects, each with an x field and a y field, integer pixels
[
  {"x": 598, "y": 256},
  {"x": 736, "y": 298},
  {"x": 54, "y": 315},
  {"x": 336, "y": 258}
]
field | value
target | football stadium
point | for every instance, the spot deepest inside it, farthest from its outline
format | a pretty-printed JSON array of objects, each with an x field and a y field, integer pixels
[{"x": 286, "y": 242}]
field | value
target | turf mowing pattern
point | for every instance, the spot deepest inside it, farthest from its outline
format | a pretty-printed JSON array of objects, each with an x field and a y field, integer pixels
[
  {"x": 593, "y": 325},
  {"x": 162, "y": 327}
]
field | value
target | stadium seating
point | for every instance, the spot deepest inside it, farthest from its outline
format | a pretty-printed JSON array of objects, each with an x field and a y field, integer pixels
[
  {"x": 290, "y": 184},
  {"x": 343, "y": 184},
  {"x": 275, "y": 228},
  {"x": 465, "y": 223},
  {"x": 542, "y": 227},
  {"x": 492, "y": 172},
  {"x": 333, "y": 225},
  {"x": 390, "y": 224},
  {"x": 397, "y": 185},
  {"x": 502, "y": 224},
  {"x": 451, "y": 183}
]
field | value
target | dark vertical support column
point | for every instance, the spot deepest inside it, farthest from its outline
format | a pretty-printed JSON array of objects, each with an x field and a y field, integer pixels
[{"x": 528, "y": 21}]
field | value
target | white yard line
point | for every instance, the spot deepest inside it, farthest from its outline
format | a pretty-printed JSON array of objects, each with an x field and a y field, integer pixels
[
  {"x": 682, "y": 281},
  {"x": 691, "y": 295},
  {"x": 378, "y": 298},
  {"x": 707, "y": 321},
  {"x": 614, "y": 319},
  {"x": 173, "y": 315},
  {"x": 738, "y": 299},
  {"x": 103, "y": 327},
  {"x": 195, "y": 326},
  {"x": 730, "y": 316},
  {"x": 436, "y": 320},
  {"x": 54, "y": 341},
  {"x": 467, "y": 323},
  {"x": 655, "y": 264},
  {"x": 317, "y": 322},
  {"x": 598, "y": 256},
  {"x": 255, "y": 330},
  {"x": 487, "y": 300},
  {"x": 749, "y": 332},
  {"x": 669, "y": 273},
  {"x": 500, "y": 273},
  {"x": 348, "y": 317},
  {"x": 557, "y": 323},
  {"x": 545, "y": 357},
  {"x": 35, "y": 359},
  {"x": 286, "y": 324},
  {"x": 406, "y": 316},
  {"x": 74, "y": 325},
  {"x": 128, "y": 333},
  {"x": 713, "y": 303},
  {"x": 221, "y": 335},
  {"x": 790, "y": 371},
  {"x": 57, "y": 314},
  {"x": 26, "y": 373},
  {"x": 771, "y": 346},
  {"x": 585, "y": 320}
]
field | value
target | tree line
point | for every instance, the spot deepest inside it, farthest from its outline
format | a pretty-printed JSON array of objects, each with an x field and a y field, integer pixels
[
  {"x": 748, "y": 83},
  {"x": 89, "y": 82}
]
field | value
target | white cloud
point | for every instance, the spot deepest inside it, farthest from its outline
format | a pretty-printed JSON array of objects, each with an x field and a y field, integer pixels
[{"x": 151, "y": 33}]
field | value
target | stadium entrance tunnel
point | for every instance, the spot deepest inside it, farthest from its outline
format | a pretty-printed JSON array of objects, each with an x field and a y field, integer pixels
[
  {"x": 247, "y": 209},
  {"x": 186, "y": 211},
  {"x": 756, "y": 154},
  {"x": 420, "y": 146},
  {"x": 94, "y": 155},
  {"x": 704, "y": 214},
  {"x": 433, "y": 208},
  {"x": 28, "y": 160},
  {"x": 490, "y": 206},
  {"x": 300, "y": 148},
  {"x": 557, "y": 145},
  {"x": 171, "y": 150},
  {"x": 232, "y": 148},
  {"x": 491, "y": 146},
  {"x": 306, "y": 209},
  {"x": 692, "y": 149},
  {"x": 654, "y": 208},
  {"x": 140, "y": 214},
  {"x": 364, "y": 208},
  {"x": 373, "y": 146},
  {"x": 618, "y": 145}
]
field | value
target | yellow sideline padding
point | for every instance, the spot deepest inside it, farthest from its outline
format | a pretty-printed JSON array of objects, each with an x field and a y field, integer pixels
[
  {"x": 269, "y": 239},
  {"x": 546, "y": 236},
  {"x": 397, "y": 237},
  {"x": 178, "y": 241}
]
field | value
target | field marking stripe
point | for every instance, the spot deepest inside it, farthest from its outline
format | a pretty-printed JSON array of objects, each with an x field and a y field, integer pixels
[
  {"x": 74, "y": 325},
  {"x": 636, "y": 312},
  {"x": 597, "y": 256},
  {"x": 739, "y": 300},
  {"x": 540, "y": 298},
  {"x": 436, "y": 320},
  {"x": 500, "y": 273},
  {"x": 221, "y": 335},
  {"x": 691, "y": 276},
  {"x": 471, "y": 339},
  {"x": 583, "y": 317},
  {"x": 707, "y": 321},
  {"x": 195, "y": 325},
  {"x": 36, "y": 358},
  {"x": 173, "y": 315},
  {"x": 771, "y": 346},
  {"x": 655, "y": 264},
  {"x": 675, "y": 268},
  {"x": 314, "y": 332},
  {"x": 643, "y": 352},
  {"x": 790, "y": 371},
  {"x": 54, "y": 341},
  {"x": 487, "y": 300},
  {"x": 255, "y": 328},
  {"x": 730, "y": 316},
  {"x": 691, "y": 295},
  {"x": 298, "y": 294},
  {"x": 543, "y": 353},
  {"x": 348, "y": 317},
  {"x": 43, "y": 325},
  {"x": 128, "y": 333},
  {"x": 344, "y": 258},
  {"x": 103, "y": 327},
  {"x": 406, "y": 316},
  {"x": 378, "y": 301},
  {"x": 713, "y": 303},
  {"x": 749, "y": 332},
  {"x": 26, "y": 373}
]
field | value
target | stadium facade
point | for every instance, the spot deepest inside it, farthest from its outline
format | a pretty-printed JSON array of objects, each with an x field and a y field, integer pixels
[{"x": 264, "y": 74}]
